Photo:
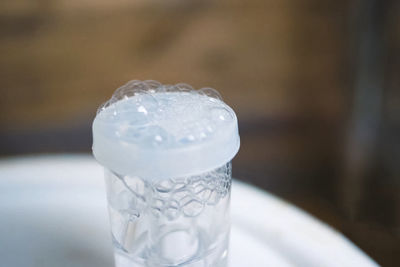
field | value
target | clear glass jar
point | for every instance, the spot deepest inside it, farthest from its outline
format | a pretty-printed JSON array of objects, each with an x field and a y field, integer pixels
[
  {"x": 167, "y": 150},
  {"x": 172, "y": 222}
]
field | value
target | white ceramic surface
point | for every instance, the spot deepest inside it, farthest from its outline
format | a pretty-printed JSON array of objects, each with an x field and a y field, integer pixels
[{"x": 53, "y": 214}]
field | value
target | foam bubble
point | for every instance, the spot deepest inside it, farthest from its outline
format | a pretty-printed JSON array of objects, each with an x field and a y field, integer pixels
[{"x": 147, "y": 123}]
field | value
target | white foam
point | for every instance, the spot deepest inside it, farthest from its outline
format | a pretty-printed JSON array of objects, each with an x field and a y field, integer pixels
[{"x": 160, "y": 131}]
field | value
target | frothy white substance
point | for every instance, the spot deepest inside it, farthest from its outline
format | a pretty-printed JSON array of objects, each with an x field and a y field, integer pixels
[{"x": 160, "y": 131}]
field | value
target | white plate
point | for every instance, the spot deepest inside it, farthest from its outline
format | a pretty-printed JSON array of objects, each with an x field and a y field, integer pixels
[{"x": 53, "y": 214}]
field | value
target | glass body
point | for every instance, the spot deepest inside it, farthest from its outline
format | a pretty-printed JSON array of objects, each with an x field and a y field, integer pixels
[{"x": 173, "y": 222}]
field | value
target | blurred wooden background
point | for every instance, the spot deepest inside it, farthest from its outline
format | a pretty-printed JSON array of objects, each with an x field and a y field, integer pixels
[{"x": 288, "y": 68}]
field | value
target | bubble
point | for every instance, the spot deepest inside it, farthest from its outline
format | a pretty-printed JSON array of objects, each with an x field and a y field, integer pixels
[
  {"x": 128, "y": 132},
  {"x": 155, "y": 135},
  {"x": 187, "y": 139},
  {"x": 103, "y": 107},
  {"x": 109, "y": 105},
  {"x": 147, "y": 100},
  {"x": 210, "y": 92},
  {"x": 171, "y": 210},
  {"x": 179, "y": 195},
  {"x": 152, "y": 86},
  {"x": 221, "y": 114},
  {"x": 143, "y": 102},
  {"x": 184, "y": 87},
  {"x": 198, "y": 187},
  {"x": 179, "y": 186},
  {"x": 158, "y": 203},
  {"x": 165, "y": 186},
  {"x": 157, "y": 207},
  {"x": 170, "y": 88},
  {"x": 214, "y": 198},
  {"x": 158, "y": 138},
  {"x": 129, "y": 89},
  {"x": 195, "y": 179},
  {"x": 156, "y": 212},
  {"x": 192, "y": 208},
  {"x": 204, "y": 195}
]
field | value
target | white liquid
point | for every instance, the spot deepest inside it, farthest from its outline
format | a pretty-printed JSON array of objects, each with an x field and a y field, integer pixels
[{"x": 158, "y": 134}]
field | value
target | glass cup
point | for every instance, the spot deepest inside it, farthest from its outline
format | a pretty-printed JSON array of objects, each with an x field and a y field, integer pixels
[{"x": 168, "y": 177}]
